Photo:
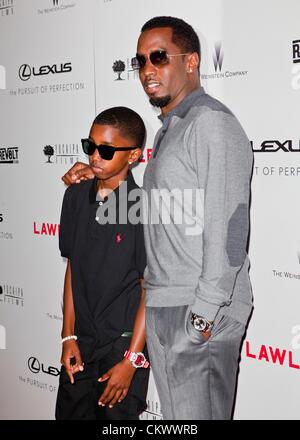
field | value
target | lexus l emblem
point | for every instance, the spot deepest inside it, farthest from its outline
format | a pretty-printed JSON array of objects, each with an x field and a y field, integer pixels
[{"x": 25, "y": 72}]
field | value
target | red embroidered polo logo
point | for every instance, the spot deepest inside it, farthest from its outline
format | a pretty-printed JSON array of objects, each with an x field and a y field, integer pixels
[{"x": 118, "y": 238}]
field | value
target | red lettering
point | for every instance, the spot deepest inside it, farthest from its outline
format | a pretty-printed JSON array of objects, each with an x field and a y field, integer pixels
[
  {"x": 277, "y": 355},
  {"x": 35, "y": 231},
  {"x": 291, "y": 361},
  {"x": 51, "y": 228},
  {"x": 149, "y": 152},
  {"x": 44, "y": 230},
  {"x": 248, "y": 354},
  {"x": 263, "y": 354}
]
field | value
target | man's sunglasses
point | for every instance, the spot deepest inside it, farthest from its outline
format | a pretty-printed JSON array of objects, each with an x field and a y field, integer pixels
[
  {"x": 157, "y": 58},
  {"x": 105, "y": 151}
]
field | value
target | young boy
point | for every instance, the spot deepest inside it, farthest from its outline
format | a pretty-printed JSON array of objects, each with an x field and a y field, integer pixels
[{"x": 104, "y": 373}]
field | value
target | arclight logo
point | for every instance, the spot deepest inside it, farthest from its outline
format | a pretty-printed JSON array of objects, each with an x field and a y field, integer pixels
[
  {"x": 2, "y": 338},
  {"x": 2, "y": 78}
]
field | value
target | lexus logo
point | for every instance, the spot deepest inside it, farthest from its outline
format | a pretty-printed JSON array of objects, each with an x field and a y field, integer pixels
[
  {"x": 34, "y": 365},
  {"x": 25, "y": 72}
]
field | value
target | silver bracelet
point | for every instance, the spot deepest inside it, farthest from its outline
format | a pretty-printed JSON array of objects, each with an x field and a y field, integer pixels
[{"x": 67, "y": 338}]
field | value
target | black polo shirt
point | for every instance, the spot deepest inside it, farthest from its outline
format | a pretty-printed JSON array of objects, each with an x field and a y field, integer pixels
[{"x": 107, "y": 262}]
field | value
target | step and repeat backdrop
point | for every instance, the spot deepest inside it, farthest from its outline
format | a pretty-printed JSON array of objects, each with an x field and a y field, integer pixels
[{"x": 61, "y": 63}]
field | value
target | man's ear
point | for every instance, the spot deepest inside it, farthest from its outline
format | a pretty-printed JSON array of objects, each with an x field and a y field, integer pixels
[{"x": 193, "y": 62}]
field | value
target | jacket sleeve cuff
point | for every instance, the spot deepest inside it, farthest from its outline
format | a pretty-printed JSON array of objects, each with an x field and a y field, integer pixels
[{"x": 207, "y": 310}]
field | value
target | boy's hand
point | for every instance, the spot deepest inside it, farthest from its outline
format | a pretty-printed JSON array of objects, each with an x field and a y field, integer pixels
[
  {"x": 71, "y": 350},
  {"x": 80, "y": 171},
  {"x": 119, "y": 379}
]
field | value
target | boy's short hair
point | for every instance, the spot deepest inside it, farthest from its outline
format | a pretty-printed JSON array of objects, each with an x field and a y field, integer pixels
[{"x": 126, "y": 120}]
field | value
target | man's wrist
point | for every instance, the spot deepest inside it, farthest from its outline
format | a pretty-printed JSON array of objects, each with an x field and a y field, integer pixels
[{"x": 200, "y": 323}]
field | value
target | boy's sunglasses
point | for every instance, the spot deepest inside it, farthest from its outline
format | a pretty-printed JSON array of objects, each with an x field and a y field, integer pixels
[
  {"x": 157, "y": 58},
  {"x": 105, "y": 151}
]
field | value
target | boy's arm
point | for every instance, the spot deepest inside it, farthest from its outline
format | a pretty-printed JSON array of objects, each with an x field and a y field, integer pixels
[
  {"x": 138, "y": 339},
  {"x": 69, "y": 312},
  {"x": 70, "y": 347},
  {"x": 120, "y": 375}
]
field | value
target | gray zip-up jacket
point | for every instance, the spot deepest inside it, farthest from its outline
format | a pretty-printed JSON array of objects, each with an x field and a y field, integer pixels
[{"x": 202, "y": 160}]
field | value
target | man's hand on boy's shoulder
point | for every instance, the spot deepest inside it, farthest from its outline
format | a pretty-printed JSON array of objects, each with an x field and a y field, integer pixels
[
  {"x": 118, "y": 379},
  {"x": 80, "y": 171}
]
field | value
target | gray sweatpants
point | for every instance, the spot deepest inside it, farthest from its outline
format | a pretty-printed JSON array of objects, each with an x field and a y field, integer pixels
[{"x": 195, "y": 379}]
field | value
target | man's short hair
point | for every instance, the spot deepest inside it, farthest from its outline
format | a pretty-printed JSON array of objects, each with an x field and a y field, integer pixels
[
  {"x": 126, "y": 120},
  {"x": 184, "y": 35}
]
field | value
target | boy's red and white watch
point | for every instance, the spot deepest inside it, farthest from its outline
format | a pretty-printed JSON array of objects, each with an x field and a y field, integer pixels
[{"x": 138, "y": 359}]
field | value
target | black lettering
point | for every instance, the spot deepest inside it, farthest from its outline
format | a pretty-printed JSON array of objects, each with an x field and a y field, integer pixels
[
  {"x": 44, "y": 70},
  {"x": 67, "y": 67},
  {"x": 34, "y": 72},
  {"x": 272, "y": 146},
  {"x": 9, "y": 154},
  {"x": 295, "y": 150},
  {"x": 52, "y": 69},
  {"x": 51, "y": 370},
  {"x": 296, "y": 50}
]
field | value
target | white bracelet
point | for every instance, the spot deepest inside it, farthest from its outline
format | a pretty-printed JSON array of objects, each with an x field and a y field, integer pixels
[{"x": 67, "y": 338}]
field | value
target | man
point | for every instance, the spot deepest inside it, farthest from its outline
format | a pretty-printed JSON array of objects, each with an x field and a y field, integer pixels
[{"x": 198, "y": 293}]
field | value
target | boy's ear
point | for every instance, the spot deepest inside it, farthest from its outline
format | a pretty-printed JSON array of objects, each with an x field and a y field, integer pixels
[{"x": 135, "y": 155}]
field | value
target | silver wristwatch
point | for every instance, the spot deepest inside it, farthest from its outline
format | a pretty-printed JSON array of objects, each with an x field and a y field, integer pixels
[{"x": 200, "y": 323}]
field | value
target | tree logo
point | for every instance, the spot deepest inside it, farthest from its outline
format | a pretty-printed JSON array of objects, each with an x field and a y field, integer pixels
[
  {"x": 48, "y": 151},
  {"x": 118, "y": 67}
]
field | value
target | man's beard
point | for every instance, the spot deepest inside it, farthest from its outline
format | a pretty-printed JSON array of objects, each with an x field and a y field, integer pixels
[{"x": 160, "y": 102}]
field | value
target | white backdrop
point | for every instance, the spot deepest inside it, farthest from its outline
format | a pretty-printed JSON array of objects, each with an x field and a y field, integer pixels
[{"x": 56, "y": 59}]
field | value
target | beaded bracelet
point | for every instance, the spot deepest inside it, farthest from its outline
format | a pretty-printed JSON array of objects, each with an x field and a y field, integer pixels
[{"x": 67, "y": 338}]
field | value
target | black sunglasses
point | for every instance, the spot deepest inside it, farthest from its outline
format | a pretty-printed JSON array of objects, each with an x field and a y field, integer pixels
[
  {"x": 157, "y": 58},
  {"x": 105, "y": 151}
]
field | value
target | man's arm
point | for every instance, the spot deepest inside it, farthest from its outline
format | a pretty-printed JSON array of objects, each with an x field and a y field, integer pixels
[
  {"x": 80, "y": 171},
  {"x": 224, "y": 157},
  {"x": 70, "y": 347}
]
